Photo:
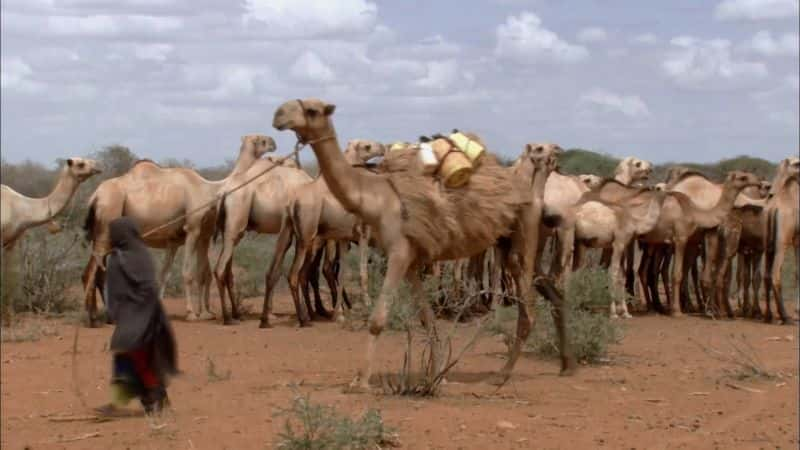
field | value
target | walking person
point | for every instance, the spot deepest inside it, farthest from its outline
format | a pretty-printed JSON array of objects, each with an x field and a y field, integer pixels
[{"x": 143, "y": 343}]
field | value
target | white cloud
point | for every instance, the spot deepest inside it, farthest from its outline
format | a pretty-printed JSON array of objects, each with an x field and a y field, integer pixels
[
  {"x": 698, "y": 62},
  {"x": 779, "y": 104},
  {"x": 441, "y": 75},
  {"x": 756, "y": 9},
  {"x": 629, "y": 105},
  {"x": 523, "y": 39},
  {"x": 310, "y": 18},
  {"x": 15, "y": 76},
  {"x": 310, "y": 67},
  {"x": 592, "y": 34},
  {"x": 646, "y": 38},
  {"x": 764, "y": 44},
  {"x": 152, "y": 52},
  {"x": 431, "y": 47},
  {"x": 107, "y": 25}
]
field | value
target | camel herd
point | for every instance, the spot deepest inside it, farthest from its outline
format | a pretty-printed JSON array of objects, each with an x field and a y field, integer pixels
[{"x": 688, "y": 227}]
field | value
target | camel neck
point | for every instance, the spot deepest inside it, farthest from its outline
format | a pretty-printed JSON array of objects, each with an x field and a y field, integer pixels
[
  {"x": 623, "y": 178},
  {"x": 713, "y": 217},
  {"x": 342, "y": 179},
  {"x": 54, "y": 203}
]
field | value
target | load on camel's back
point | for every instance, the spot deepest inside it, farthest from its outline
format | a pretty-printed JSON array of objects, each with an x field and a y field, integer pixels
[{"x": 451, "y": 159}]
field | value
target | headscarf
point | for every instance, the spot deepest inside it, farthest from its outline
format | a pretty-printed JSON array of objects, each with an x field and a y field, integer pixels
[{"x": 133, "y": 300}]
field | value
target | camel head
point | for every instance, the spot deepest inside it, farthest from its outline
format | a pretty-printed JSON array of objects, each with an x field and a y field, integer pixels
[
  {"x": 362, "y": 150},
  {"x": 790, "y": 166},
  {"x": 591, "y": 181},
  {"x": 763, "y": 188},
  {"x": 81, "y": 168},
  {"x": 674, "y": 173},
  {"x": 739, "y": 180},
  {"x": 257, "y": 144},
  {"x": 634, "y": 169},
  {"x": 309, "y": 118},
  {"x": 543, "y": 155}
]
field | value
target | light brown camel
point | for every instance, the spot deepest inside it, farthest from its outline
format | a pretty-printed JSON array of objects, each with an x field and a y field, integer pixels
[
  {"x": 781, "y": 231},
  {"x": 312, "y": 213},
  {"x": 705, "y": 193},
  {"x": 19, "y": 213},
  {"x": 741, "y": 235},
  {"x": 418, "y": 221},
  {"x": 258, "y": 207},
  {"x": 154, "y": 196},
  {"x": 598, "y": 221},
  {"x": 682, "y": 223}
]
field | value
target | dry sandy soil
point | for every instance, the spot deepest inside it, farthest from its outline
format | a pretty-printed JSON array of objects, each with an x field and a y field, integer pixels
[{"x": 660, "y": 390}]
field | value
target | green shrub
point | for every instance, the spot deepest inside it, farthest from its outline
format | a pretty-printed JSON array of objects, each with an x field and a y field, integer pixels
[{"x": 313, "y": 426}]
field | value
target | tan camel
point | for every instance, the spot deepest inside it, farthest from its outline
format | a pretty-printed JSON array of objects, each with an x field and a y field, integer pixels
[
  {"x": 257, "y": 207},
  {"x": 154, "y": 196},
  {"x": 313, "y": 213},
  {"x": 591, "y": 181},
  {"x": 19, "y": 213},
  {"x": 741, "y": 235},
  {"x": 705, "y": 193},
  {"x": 597, "y": 221},
  {"x": 682, "y": 223},
  {"x": 633, "y": 171},
  {"x": 781, "y": 231},
  {"x": 417, "y": 221}
]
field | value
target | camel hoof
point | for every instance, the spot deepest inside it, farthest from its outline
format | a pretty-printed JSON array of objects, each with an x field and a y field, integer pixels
[
  {"x": 305, "y": 324},
  {"x": 568, "y": 371},
  {"x": 206, "y": 315},
  {"x": 264, "y": 324},
  {"x": 627, "y": 316},
  {"x": 676, "y": 314},
  {"x": 357, "y": 386},
  {"x": 339, "y": 318},
  {"x": 325, "y": 314},
  {"x": 94, "y": 323},
  {"x": 192, "y": 317},
  {"x": 229, "y": 321}
]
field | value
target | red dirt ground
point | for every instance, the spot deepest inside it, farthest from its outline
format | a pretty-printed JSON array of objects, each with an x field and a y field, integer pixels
[{"x": 660, "y": 391}]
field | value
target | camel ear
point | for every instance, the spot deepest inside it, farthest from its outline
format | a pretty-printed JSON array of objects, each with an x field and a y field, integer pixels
[
  {"x": 70, "y": 162},
  {"x": 329, "y": 109}
]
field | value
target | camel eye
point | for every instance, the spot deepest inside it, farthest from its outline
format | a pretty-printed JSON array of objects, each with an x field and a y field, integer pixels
[
  {"x": 368, "y": 147},
  {"x": 639, "y": 164},
  {"x": 81, "y": 165}
]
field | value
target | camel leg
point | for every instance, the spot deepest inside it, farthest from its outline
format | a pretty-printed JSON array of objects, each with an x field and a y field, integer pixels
[
  {"x": 363, "y": 248},
  {"x": 569, "y": 253},
  {"x": 428, "y": 319},
  {"x": 723, "y": 282},
  {"x": 777, "y": 288},
  {"x": 221, "y": 276},
  {"x": 740, "y": 268},
  {"x": 90, "y": 291},
  {"x": 677, "y": 278},
  {"x": 615, "y": 269},
  {"x": 309, "y": 275},
  {"x": 166, "y": 265},
  {"x": 706, "y": 279},
  {"x": 399, "y": 260},
  {"x": 747, "y": 307},
  {"x": 341, "y": 249},
  {"x": 643, "y": 271},
  {"x": 300, "y": 253},
  {"x": 754, "y": 271},
  {"x": 273, "y": 274}
]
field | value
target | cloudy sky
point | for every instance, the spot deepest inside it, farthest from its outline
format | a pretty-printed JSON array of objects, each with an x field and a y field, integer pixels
[{"x": 663, "y": 80}]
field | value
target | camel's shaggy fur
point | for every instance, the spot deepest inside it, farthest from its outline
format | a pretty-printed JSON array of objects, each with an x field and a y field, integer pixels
[{"x": 473, "y": 216}]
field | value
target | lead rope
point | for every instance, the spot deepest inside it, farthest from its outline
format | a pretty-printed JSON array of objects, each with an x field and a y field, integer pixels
[{"x": 297, "y": 147}]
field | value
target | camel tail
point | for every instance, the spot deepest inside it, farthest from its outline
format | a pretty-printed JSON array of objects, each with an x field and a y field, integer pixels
[
  {"x": 219, "y": 226},
  {"x": 88, "y": 223}
]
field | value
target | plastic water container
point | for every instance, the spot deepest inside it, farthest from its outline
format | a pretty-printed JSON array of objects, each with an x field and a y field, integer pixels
[
  {"x": 427, "y": 158},
  {"x": 456, "y": 168},
  {"x": 471, "y": 148}
]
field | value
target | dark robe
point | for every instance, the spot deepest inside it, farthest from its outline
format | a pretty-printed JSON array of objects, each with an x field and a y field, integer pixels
[{"x": 133, "y": 302}]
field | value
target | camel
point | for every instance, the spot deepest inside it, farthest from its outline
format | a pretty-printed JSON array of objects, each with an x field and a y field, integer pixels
[
  {"x": 417, "y": 221},
  {"x": 259, "y": 207},
  {"x": 704, "y": 193},
  {"x": 781, "y": 231},
  {"x": 154, "y": 196},
  {"x": 591, "y": 181},
  {"x": 313, "y": 213},
  {"x": 682, "y": 223},
  {"x": 597, "y": 222},
  {"x": 741, "y": 235},
  {"x": 20, "y": 213}
]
